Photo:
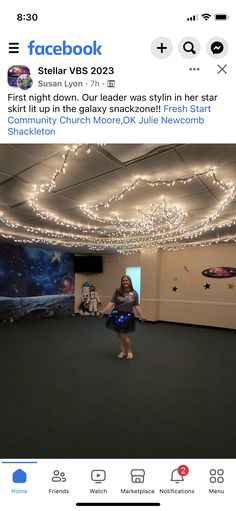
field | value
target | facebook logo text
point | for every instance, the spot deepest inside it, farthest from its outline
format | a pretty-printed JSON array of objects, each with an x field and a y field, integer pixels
[{"x": 65, "y": 49}]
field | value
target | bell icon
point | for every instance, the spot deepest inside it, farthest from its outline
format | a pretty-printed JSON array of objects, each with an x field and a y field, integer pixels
[{"x": 176, "y": 477}]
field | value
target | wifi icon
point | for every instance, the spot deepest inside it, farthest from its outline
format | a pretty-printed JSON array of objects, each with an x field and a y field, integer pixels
[{"x": 206, "y": 16}]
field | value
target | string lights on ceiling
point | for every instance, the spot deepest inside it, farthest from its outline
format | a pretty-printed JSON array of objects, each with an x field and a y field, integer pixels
[{"x": 161, "y": 224}]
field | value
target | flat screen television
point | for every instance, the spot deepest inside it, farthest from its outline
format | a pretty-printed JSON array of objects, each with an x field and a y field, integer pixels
[{"x": 88, "y": 264}]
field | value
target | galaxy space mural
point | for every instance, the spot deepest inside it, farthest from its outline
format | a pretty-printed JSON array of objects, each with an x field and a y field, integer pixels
[{"x": 35, "y": 283}]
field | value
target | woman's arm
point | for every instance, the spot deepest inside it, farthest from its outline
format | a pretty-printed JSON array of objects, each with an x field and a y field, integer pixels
[
  {"x": 139, "y": 312},
  {"x": 108, "y": 308}
]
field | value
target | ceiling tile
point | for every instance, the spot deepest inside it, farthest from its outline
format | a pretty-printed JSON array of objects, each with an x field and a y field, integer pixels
[{"x": 12, "y": 192}]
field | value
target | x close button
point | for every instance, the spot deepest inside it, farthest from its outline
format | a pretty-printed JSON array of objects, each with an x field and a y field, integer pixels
[{"x": 222, "y": 69}]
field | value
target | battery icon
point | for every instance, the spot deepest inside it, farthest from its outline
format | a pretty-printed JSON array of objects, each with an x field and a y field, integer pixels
[{"x": 221, "y": 16}]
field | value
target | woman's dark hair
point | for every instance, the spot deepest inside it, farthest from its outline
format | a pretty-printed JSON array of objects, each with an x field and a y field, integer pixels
[{"x": 121, "y": 290}]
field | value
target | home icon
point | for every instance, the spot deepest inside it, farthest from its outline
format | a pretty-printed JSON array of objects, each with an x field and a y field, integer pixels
[
  {"x": 137, "y": 475},
  {"x": 19, "y": 476}
]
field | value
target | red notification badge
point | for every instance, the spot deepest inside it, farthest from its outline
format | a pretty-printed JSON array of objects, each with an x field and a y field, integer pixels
[{"x": 183, "y": 470}]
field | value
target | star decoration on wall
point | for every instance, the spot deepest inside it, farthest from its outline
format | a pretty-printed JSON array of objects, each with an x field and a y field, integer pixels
[
  {"x": 207, "y": 286},
  {"x": 231, "y": 286},
  {"x": 174, "y": 289}
]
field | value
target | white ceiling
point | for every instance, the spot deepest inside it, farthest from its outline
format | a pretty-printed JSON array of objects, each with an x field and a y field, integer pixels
[{"x": 105, "y": 171}]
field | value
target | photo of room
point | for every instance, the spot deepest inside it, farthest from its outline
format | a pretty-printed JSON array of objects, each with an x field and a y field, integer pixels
[{"x": 73, "y": 221}]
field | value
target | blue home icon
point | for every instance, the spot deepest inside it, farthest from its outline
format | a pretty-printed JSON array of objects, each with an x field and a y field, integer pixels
[{"x": 19, "y": 476}]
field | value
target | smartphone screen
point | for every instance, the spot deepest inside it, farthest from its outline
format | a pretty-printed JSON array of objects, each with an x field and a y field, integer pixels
[{"x": 117, "y": 256}]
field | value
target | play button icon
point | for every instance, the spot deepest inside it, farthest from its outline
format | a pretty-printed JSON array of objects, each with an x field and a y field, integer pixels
[{"x": 98, "y": 476}]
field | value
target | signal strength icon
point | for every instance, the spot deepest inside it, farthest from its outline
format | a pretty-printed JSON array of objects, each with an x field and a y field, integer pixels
[
  {"x": 193, "y": 18},
  {"x": 206, "y": 16}
]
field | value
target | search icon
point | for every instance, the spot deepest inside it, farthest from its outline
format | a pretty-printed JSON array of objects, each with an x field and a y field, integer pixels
[{"x": 188, "y": 46}]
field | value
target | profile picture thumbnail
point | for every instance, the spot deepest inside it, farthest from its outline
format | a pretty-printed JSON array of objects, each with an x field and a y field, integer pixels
[
  {"x": 24, "y": 82},
  {"x": 19, "y": 76}
]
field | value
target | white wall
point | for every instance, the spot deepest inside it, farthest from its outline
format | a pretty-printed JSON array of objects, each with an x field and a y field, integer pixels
[
  {"x": 114, "y": 266},
  {"x": 192, "y": 303},
  {"x": 161, "y": 271}
]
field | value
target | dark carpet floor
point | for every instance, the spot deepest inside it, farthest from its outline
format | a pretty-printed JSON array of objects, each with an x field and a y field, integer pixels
[{"x": 65, "y": 395}]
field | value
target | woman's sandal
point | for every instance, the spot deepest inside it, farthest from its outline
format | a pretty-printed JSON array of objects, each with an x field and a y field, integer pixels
[
  {"x": 121, "y": 355},
  {"x": 130, "y": 355}
]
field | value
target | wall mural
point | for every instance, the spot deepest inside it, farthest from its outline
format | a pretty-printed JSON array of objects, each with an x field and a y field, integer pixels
[{"x": 35, "y": 282}]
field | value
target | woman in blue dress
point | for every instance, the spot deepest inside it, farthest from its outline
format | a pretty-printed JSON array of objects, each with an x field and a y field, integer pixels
[{"x": 122, "y": 319}]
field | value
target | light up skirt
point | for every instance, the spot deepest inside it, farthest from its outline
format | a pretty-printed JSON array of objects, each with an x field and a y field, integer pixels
[{"x": 121, "y": 322}]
